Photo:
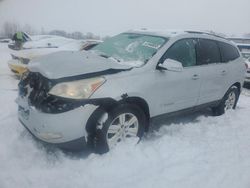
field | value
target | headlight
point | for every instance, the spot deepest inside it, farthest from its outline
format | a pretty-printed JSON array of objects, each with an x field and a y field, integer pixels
[{"x": 81, "y": 89}]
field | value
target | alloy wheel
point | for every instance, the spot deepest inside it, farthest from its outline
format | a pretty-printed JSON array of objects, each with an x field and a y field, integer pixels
[
  {"x": 123, "y": 127},
  {"x": 230, "y": 101}
]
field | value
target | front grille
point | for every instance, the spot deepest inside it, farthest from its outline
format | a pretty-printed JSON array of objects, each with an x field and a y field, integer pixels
[
  {"x": 35, "y": 87},
  {"x": 248, "y": 71}
]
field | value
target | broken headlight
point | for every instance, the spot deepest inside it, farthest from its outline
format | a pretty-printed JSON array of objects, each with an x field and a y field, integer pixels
[{"x": 81, "y": 89}]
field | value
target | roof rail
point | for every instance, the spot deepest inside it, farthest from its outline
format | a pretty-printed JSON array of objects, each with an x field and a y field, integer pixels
[{"x": 204, "y": 32}]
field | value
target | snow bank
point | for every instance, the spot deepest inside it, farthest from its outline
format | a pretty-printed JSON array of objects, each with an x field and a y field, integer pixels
[{"x": 195, "y": 150}]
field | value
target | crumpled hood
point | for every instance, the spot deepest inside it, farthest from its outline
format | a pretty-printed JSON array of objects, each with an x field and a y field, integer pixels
[{"x": 66, "y": 64}]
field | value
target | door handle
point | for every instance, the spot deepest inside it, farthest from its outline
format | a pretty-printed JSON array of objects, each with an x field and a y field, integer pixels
[
  {"x": 223, "y": 72},
  {"x": 195, "y": 77}
]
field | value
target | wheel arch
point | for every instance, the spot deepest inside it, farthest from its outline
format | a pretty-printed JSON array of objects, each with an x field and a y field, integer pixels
[
  {"x": 238, "y": 85},
  {"x": 140, "y": 102},
  {"x": 102, "y": 109}
]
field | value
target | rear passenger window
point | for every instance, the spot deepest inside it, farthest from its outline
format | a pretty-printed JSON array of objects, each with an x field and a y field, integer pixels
[
  {"x": 182, "y": 51},
  {"x": 208, "y": 52},
  {"x": 228, "y": 52}
]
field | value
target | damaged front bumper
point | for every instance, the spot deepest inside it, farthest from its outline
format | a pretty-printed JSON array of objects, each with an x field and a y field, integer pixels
[
  {"x": 60, "y": 129},
  {"x": 53, "y": 119}
]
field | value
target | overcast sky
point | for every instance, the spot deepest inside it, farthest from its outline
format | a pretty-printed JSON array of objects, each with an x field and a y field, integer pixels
[{"x": 108, "y": 17}]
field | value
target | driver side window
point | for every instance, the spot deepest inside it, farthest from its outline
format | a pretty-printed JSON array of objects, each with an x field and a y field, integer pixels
[{"x": 182, "y": 51}]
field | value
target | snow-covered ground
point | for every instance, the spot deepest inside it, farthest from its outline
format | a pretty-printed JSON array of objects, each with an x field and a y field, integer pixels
[{"x": 195, "y": 150}]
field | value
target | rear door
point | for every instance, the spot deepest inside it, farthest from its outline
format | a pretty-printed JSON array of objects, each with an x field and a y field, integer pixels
[
  {"x": 213, "y": 72},
  {"x": 230, "y": 58}
]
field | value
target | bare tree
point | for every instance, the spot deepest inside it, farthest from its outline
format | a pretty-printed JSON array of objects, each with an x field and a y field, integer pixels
[
  {"x": 28, "y": 29},
  {"x": 10, "y": 28},
  {"x": 89, "y": 35},
  {"x": 59, "y": 33},
  {"x": 76, "y": 35}
]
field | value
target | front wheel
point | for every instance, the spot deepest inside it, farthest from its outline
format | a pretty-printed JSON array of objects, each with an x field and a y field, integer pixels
[
  {"x": 228, "y": 102},
  {"x": 124, "y": 123}
]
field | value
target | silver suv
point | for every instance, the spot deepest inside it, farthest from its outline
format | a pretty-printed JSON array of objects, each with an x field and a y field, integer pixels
[{"x": 108, "y": 95}]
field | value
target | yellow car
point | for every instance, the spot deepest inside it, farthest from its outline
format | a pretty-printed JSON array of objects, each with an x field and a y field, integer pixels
[
  {"x": 20, "y": 59},
  {"x": 18, "y": 65}
]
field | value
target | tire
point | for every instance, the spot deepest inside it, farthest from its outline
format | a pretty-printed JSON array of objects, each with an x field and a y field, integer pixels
[
  {"x": 229, "y": 101},
  {"x": 102, "y": 143}
]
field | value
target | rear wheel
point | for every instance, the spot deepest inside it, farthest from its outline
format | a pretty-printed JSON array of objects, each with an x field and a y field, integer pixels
[
  {"x": 228, "y": 102},
  {"x": 124, "y": 123}
]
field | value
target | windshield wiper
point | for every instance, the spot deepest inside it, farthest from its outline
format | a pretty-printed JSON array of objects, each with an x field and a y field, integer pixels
[{"x": 106, "y": 56}]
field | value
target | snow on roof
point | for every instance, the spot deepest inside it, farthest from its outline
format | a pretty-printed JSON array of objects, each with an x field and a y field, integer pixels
[
  {"x": 239, "y": 38},
  {"x": 164, "y": 33},
  {"x": 172, "y": 33},
  {"x": 49, "y": 41},
  {"x": 242, "y": 44}
]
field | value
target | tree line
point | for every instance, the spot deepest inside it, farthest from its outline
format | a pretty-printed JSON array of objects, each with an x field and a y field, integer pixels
[{"x": 10, "y": 28}]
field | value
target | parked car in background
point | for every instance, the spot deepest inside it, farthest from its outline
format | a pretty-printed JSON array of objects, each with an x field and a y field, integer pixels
[
  {"x": 5, "y": 40},
  {"x": 18, "y": 40},
  {"x": 243, "y": 44},
  {"x": 247, "y": 79},
  {"x": 47, "y": 41},
  {"x": 245, "y": 50},
  {"x": 114, "y": 90},
  {"x": 37, "y": 41},
  {"x": 20, "y": 59}
]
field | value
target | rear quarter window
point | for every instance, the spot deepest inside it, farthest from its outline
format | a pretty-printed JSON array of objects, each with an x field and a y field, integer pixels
[
  {"x": 208, "y": 52},
  {"x": 228, "y": 52}
]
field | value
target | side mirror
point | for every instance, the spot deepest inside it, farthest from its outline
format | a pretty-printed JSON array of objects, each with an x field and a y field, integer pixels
[{"x": 171, "y": 65}]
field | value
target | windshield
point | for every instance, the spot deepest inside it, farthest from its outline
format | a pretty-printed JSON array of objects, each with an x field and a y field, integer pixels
[{"x": 127, "y": 47}]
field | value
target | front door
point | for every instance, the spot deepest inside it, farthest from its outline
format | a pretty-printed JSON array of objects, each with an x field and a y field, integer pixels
[{"x": 176, "y": 91}]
